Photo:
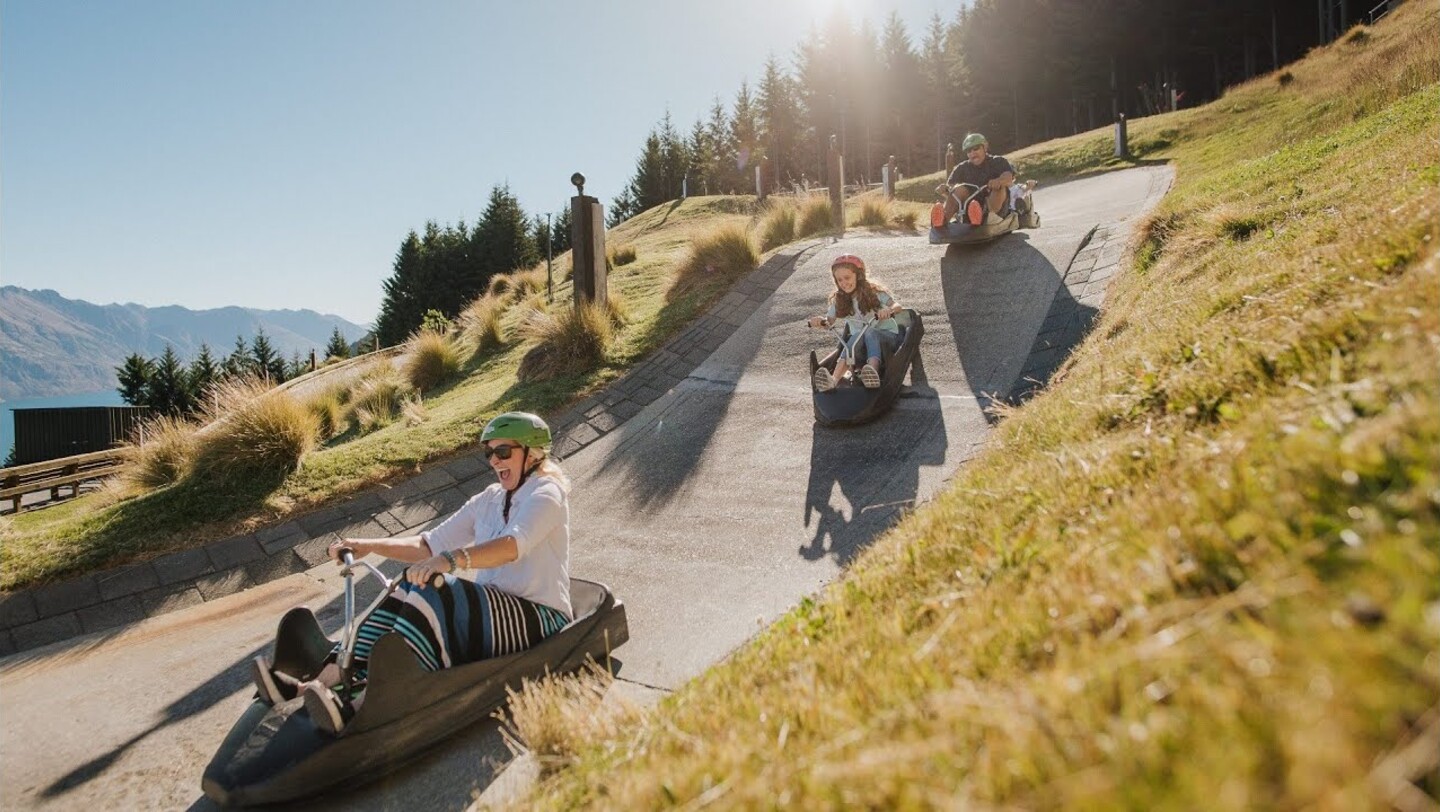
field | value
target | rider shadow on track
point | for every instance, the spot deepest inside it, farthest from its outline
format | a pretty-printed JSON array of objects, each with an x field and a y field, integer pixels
[
  {"x": 876, "y": 469},
  {"x": 1013, "y": 318}
]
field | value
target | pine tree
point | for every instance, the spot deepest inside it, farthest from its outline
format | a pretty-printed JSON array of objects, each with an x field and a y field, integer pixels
[
  {"x": 701, "y": 156},
  {"x": 720, "y": 174},
  {"x": 267, "y": 362},
  {"x": 168, "y": 390},
  {"x": 203, "y": 373},
  {"x": 674, "y": 160},
  {"x": 744, "y": 131},
  {"x": 777, "y": 118},
  {"x": 561, "y": 231},
  {"x": 502, "y": 239},
  {"x": 134, "y": 377},
  {"x": 298, "y": 366},
  {"x": 238, "y": 363},
  {"x": 338, "y": 347},
  {"x": 399, "y": 308}
]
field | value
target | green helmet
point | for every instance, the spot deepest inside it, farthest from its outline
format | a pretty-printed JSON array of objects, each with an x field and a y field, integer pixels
[
  {"x": 522, "y": 427},
  {"x": 973, "y": 140}
]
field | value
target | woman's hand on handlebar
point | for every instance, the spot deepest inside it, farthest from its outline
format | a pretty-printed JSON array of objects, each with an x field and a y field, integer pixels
[
  {"x": 421, "y": 573},
  {"x": 355, "y": 547},
  {"x": 816, "y": 321}
]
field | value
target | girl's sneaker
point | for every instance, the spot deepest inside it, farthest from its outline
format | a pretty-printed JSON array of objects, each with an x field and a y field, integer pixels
[
  {"x": 264, "y": 678},
  {"x": 869, "y": 377},
  {"x": 824, "y": 381}
]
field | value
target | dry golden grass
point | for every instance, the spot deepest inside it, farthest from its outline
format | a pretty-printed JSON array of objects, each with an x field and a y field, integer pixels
[
  {"x": 376, "y": 399},
  {"x": 498, "y": 286},
  {"x": 413, "y": 411},
  {"x": 481, "y": 323},
  {"x": 253, "y": 429},
  {"x": 573, "y": 341},
  {"x": 815, "y": 218},
  {"x": 617, "y": 309},
  {"x": 163, "y": 455},
  {"x": 1200, "y": 571},
  {"x": 432, "y": 358},
  {"x": 874, "y": 211},
  {"x": 717, "y": 257},
  {"x": 778, "y": 226},
  {"x": 528, "y": 282},
  {"x": 547, "y": 716},
  {"x": 623, "y": 255},
  {"x": 329, "y": 406}
]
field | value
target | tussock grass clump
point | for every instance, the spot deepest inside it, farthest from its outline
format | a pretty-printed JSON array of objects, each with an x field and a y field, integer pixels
[
  {"x": 413, "y": 411},
  {"x": 815, "y": 218},
  {"x": 432, "y": 359},
  {"x": 498, "y": 286},
  {"x": 624, "y": 255},
  {"x": 330, "y": 409},
  {"x": 873, "y": 212},
  {"x": 716, "y": 258},
  {"x": 254, "y": 430},
  {"x": 573, "y": 341},
  {"x": 376, "y": 399},
  {"x": 778, "y": 227},
  {"x": 906, "y": 219},
  {"x": 163, "y": 454},
  {"x": 525, "y": 283},
  {"x": 554, "y": 717},
  {"x": 617, "y": 309},
  {"x": 480, "y": 323}
]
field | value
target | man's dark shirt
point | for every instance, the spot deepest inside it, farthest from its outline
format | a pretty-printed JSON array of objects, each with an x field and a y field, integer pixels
[{"x": 992, "y": 167}]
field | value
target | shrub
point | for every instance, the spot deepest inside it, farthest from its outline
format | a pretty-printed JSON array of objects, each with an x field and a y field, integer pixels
[
  {"x": 376, "y": 399},
  {"x": 499, "y": 285},
  {"x": 719, "y": 256},
  {"x": 624, "y": 255},
  {"x": 480, "y": 322},
  {"x": 906, "y": 219},
  {"x": 435, "y": 321},
  {"x": 778, "y": 228},
  {"x": 1285, "y": 78},
  {"x": 431, "y": 359},
  {"x": 572, "y": 342},
  {"x": 525, "y": 283},
  {"x": 254, "y": 430},
  {"x": 875, "y": 212},
  {"x": 557, "y": 715},
  {"x": 164, "y": 454},
  {"x": 815, "y": 218}
]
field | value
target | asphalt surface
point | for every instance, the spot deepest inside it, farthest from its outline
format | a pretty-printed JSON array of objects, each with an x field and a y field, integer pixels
[{"x": 710, "y": 513}]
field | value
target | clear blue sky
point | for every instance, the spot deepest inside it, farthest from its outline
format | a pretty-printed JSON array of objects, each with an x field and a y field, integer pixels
[{"x": 273, "y": 153}]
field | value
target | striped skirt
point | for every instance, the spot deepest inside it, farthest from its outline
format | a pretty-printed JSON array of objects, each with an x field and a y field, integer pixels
[{"x": 458, "y": 623}]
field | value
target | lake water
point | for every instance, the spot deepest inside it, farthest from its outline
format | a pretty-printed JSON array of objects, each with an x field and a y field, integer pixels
[{"x": 109, "y": 397}]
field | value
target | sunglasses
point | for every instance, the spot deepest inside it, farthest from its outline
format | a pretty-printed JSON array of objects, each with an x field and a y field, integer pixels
[{"x": 503, "y": 452}]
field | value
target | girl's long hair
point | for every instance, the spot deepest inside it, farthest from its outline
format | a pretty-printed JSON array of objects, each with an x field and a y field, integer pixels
[{"x": 866, "y": 290}]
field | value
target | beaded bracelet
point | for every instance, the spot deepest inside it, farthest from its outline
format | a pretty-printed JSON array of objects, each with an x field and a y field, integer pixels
[
  {"x": 468, "y": 565},
  {"x": 451, "y": 558}
]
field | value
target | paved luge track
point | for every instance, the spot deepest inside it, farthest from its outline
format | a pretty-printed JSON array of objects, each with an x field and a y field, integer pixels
[{"x": 713, "y": 510}]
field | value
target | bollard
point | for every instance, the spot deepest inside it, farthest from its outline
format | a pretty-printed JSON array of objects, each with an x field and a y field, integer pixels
[
  {"x": 759, "y": 184},
  {"x": 949, "y": 158},
  {"x": 1122, "y": 143},
  {"x": 837, "y": 185},
  {"x": 889, "y": 175},
  {"x": 312, "y": 359}
]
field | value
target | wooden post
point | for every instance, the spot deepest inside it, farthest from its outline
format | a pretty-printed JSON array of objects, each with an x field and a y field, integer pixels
[
  {"x": 377, "y": 343},
  {"x": 587, "y": 253},
  {"x": 837, "y": 185},
  {"x": 949, "y": 158},
  {"x": 1122, "y": 143},
  {"x": 312, "y": 359},
  {"x": 890, "y": 176}
]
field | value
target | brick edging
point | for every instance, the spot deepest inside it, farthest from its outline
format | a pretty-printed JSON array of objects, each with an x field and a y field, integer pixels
[{"x": 112, "y": 598}]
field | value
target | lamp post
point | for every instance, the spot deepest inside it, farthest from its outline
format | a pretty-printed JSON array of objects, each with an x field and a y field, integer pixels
[{"x": 549, "y": 260}]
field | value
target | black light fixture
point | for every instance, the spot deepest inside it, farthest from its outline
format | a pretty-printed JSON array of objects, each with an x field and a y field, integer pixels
[{"x": 579, "y": 181}]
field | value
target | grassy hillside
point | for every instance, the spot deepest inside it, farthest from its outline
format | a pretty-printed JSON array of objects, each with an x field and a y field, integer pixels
[{"x": 1201, "y": 571}]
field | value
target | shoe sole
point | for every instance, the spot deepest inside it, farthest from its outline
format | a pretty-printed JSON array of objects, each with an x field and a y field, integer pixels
[
  {"x": 325, "y": 715},
  {"x": 264, "y": 681},
  {"x": 823, "y": 381},
  {"x": 869, "y": 378}
]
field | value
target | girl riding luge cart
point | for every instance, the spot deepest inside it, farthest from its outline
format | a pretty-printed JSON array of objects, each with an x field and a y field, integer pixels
[{"x": 878, "y": 341}]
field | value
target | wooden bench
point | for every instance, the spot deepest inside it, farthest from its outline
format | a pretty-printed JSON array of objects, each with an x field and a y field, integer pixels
[{"x": 51, "y": 475}]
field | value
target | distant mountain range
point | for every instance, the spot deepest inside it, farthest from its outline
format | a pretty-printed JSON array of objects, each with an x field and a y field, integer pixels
[{"x": 50, "y": 345}]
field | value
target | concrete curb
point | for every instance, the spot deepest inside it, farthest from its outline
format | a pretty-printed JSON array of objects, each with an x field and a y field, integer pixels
[{"x": 106, "y": 600}]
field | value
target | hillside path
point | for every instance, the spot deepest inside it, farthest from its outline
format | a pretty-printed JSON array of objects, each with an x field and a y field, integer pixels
[{"x": 710, "y": 513}]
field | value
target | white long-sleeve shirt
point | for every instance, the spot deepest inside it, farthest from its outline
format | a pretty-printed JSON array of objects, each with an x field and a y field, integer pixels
[{"x": 540, "y": 523}]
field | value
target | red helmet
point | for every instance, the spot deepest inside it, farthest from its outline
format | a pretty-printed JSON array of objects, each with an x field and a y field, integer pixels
[{"x": 848, "y": 259}]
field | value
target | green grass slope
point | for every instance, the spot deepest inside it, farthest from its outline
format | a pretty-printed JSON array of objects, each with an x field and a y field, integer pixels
[{"x": 1201, "y": 571}]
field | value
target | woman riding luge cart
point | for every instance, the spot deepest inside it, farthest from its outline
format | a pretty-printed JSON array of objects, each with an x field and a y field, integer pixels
[{"x": 439, "y": 648}]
